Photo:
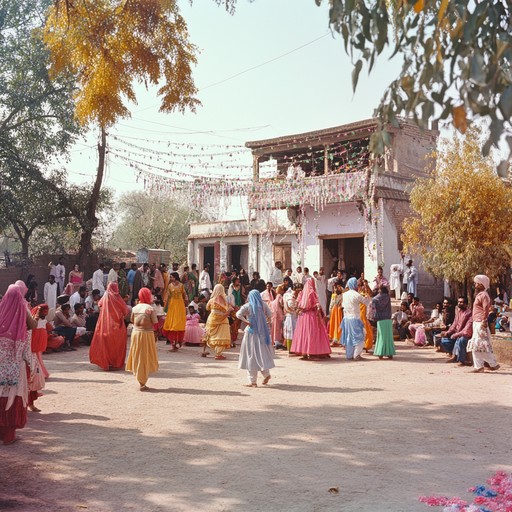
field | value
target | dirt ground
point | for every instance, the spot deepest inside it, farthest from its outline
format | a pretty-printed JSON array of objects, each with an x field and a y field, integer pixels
[{"x": 381, "y": 432}]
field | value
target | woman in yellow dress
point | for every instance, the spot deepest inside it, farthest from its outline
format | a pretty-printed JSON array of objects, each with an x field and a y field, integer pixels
[
  {"x": 218, "y": 335},
  {"x": 143, "y": 358},
  {"x": 176, "y": 319},
  {"x": 365, "y": 291}
]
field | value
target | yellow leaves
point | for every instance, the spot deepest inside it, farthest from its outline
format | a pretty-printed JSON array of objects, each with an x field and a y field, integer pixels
[
  {"x": 419, "y": 6},
  {"x": 459, "y": 118},
  {"x": 459, "y": 213},
  {"x": 109, "y": 44}
]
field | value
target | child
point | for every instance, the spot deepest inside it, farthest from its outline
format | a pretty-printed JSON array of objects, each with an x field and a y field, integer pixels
[{"x": 193, "y": 332}]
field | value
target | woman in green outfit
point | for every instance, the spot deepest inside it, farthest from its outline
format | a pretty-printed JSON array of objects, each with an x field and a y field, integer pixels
[{"x": 385, "y": 346}]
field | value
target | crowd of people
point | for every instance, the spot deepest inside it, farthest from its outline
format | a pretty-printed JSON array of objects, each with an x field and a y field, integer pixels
[{"x": 298, "y": 312}]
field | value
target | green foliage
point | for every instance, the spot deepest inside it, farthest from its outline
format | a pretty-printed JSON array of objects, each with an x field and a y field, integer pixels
[
  {"x": 153, "y": 222},
  {"x": 456, "y": 55},
  {"x": 460, "y": 224}
]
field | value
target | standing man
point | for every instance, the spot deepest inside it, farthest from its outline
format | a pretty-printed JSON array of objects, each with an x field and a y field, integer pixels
[
  {"x": 411, "y": 278},
  {"x": 276, "y": 276},
  {"x": 205, "y": 283},
  {"x": 130, "y": 276},
  {"x": 60, "y": 275},
  {"x": 112, "y": 275},
  {"x": 321, "y": 288},
  {"x": 298, "y": 276},
  {"x": 50, "y": 292},
  {"x": 480, "y": 342},
  {"x": 97, "y": 279}
]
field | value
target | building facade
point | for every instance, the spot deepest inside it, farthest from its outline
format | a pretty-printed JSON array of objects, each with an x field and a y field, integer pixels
[{"x": 330, "y": 205}]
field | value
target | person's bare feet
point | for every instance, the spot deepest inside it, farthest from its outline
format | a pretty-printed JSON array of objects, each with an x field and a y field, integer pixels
[
  {"x": 266, "y": 379},
  {"x": 144, "y": 388},
  {"x": 251, "y": 385}
]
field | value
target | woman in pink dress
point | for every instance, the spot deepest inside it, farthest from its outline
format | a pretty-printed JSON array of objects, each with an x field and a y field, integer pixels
[
  {"x": 310, "y": 339},
  {"x": 277, "y": 309},
  {"x": 194, "y": 333},
  {"x": 76, "y": 278}
]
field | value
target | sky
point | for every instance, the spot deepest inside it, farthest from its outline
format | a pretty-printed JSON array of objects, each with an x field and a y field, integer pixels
[{"x": 301, "y": 81}]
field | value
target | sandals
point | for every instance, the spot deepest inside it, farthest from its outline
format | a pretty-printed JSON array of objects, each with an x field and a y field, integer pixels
[
  {"x": 144, "y": 388},
  {"x": 266, "y": 379}
]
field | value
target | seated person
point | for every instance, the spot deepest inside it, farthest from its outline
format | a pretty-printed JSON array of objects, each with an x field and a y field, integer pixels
[
  {"x": 63, "y": 327},
  {"x": 400, "y": 320},
  {"x": 420, "y": 330},
  {"x": 201, "y": 309},
  {"x": 92, "y": 310},
  {"x": 455, "y": 340},
  {"x": 78, "y": 297},
  {"x": 78, "y": 320}
]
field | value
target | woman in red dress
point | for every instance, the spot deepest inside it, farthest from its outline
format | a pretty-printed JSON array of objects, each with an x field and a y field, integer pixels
[{"x": 108, "y": 345}]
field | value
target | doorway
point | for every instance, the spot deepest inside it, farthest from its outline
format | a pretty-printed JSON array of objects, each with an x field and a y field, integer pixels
[
  {"x": 238, "y": 257},
  {"x": 209, "y": 258},
  {"x": 343, "y": 254}
]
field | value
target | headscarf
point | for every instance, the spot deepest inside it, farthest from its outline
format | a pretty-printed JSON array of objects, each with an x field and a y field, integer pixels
[
  {"x": 13, "y": 317},
  {"x": 483, "y": 280},
  {"x": 308, "y": 298},
  {"x": 112, "y": 305},
  {"x": 68, "y": 290},
  {"x": 145, "y": 296},
  {"x": 352, "y": 283},
  {"x": 21, "y": 286},
  {"x": 42, "y": 307},
  {"x": 219, "y": 296},
  {"x": 257, "y": 318},
  {"x": 13, "y": 336}
]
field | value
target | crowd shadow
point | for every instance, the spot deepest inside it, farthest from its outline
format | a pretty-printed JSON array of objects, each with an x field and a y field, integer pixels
[{"x": 300, "y": 451}]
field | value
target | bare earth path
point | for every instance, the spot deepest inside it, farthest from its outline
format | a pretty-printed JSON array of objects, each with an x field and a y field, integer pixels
[{"x": 382, "y": 432}]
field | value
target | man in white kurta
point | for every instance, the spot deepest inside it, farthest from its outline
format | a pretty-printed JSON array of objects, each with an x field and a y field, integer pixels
[
  {"x": 50, "y": 292},
  {"x": 60, "y": 275},
  {"x": 112, "y": 275},
  {"x": 321, "y": 288},
  {"x": 97, "y": 279}
]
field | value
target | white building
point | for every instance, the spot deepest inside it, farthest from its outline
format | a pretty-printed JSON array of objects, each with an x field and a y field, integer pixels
[{"x": 330, "y": 205}]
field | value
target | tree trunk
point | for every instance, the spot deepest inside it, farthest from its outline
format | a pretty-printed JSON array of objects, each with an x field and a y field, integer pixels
[{"x": 86, "y": 249}]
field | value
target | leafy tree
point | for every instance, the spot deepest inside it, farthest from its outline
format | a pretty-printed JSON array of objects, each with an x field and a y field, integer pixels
[
  {"x": 460, "y": 210},
  {"x": 107, "y": 45},
  {"x": 153, "y": 222},
  {"x": 456, "y": 55}
]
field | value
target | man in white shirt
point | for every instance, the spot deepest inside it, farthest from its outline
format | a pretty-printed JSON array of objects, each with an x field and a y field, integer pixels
[
  {"x": 78, "y": 297},
  {"x": 112, "y": 275},
  {"x": 298, "y": 276},
  {"x": 60, "y": 275},
  {"x": 97, "y": 279},
  {"x": 50, "y": 292},
  {"x": 205, "y": 283},
  {"x": 276, "y": 276}
]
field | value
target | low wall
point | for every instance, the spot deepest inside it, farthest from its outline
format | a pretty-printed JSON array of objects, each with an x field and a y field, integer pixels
[{"x": 502, "y": 348}]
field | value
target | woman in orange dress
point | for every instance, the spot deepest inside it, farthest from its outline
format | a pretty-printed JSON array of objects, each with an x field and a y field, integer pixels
[
  {"x": 108, "y": 345},
  {"x": 365, "y": 291},
  {"x": 336, "y": 314}
]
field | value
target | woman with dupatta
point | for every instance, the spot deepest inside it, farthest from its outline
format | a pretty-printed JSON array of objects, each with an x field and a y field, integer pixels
[
  {"x": 108, "y": 345},
  {"x": 143, "y": 358},
  {"x": 15, "y": 358},
  {"x": 191, "y": 283},
  {"x": 218, "y": 336},
  {"x": 365, "y": 290},
  {"x": 310, "y": 339},
  {"x": 176, "y": 319},
  {"x": 256, "y": 351},
  {"x": 336, "y": 314}
]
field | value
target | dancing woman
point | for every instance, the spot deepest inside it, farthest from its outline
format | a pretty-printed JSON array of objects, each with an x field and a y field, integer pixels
[
  {"x": 218, "y": 336},
  {"x": 310, "y": 339},
  {"x": 143, "y": 358},
  {"x": 256, "y": 351}
]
